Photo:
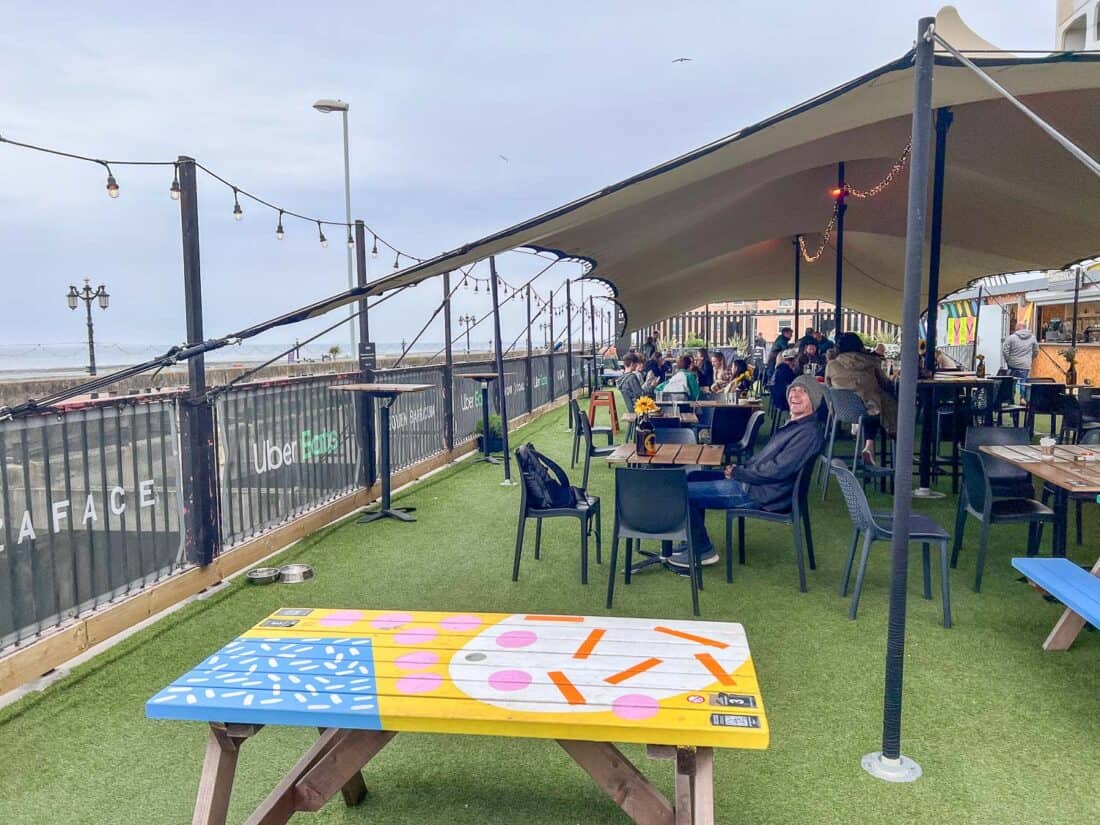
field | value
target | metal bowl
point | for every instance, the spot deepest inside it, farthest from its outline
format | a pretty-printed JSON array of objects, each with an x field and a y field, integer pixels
[
  {"x": 295, "y": 573},
  {"x": 263, "y": 575}
]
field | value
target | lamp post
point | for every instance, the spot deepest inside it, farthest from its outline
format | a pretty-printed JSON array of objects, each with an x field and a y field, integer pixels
[
  {"x": 467, "y": 321},
  {"x": 88, "y": 295},
  {"x": 326, "y": 106}
]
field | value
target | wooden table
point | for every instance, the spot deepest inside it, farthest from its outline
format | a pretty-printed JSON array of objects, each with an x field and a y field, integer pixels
[
  {"x": 362, "y": 676},
  {"x": 754, "y": 403},
  {"x": 1065, "y": 473},
  {"x": 689, "y": 455},
  {"x": 484, "y": 378},
  {"x": 386, "y": 394}
]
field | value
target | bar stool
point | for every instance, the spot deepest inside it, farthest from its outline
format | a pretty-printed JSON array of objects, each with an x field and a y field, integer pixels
[{"x": 606, "y": 400}]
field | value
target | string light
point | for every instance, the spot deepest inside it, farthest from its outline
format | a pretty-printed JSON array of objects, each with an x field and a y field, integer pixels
[
  {"x": 397, "y": 261},
  {"x": 237, "y": 212},
  {"x": 374, "y": 247},
  {"x": 321, "y": 235},
  {"x": 279, "y": 227},
  {"x": 351, "y": 240},
  {"x": 174, "y": 189},
  {"x": 112, "y": 184},
  {"x": 895, "y": 170}
]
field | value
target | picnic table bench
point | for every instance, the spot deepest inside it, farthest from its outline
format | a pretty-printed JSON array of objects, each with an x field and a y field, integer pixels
[
  {"x": 1076, "y": 588},
  {"x": 361, "y": 676}
]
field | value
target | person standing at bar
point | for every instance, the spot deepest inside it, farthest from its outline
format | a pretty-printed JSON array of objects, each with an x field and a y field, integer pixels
[{"x": 1019, "y": 350}]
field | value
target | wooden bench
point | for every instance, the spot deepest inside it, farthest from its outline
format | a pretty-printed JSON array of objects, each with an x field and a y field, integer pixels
[
  {"x": 1077, "y": 589},
  {"x": 361, "y": 676}
]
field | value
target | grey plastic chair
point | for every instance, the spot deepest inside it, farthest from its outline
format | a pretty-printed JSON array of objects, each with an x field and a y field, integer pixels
[
  {"x": 847, "y": 409},
  {"x": 636, "y": 518},
  {"x": 984, "y": 506},
  {"x": 880, "y": 527},
  {"x": 742, "y": 450}
]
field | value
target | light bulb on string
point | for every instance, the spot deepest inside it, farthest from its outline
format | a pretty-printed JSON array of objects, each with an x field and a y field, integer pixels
[
  {"x": 237, "y": 213},
  {"x": 397, "y": 261},
  {"x": 374, "y": 247},
  {"x": 174, "y": 189},
  {"x": 466, "y": 283},
  {"x": 279, "y": 227},
  {"x": 351, "y": 240},
  {"x": 321, "y": 235},
  {"x": 112, "y": 184},
  {"x": 475, "y": 284}
]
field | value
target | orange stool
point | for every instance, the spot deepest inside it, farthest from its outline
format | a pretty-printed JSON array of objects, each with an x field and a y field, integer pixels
[{"x": 605, "y": 399}]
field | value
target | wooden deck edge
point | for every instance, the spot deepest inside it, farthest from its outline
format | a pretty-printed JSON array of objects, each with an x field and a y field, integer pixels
[{"x": 26, "y": 663}]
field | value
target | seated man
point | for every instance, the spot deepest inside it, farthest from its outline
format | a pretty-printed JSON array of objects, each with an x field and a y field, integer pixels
[
  {"x": 785, "y": 373},
  {"x": 764, "y": 482},
  {"x": 630, "y": 382}
]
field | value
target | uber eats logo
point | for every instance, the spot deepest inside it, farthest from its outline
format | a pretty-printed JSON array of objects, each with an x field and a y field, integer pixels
[{"x": 310, "y": 445}]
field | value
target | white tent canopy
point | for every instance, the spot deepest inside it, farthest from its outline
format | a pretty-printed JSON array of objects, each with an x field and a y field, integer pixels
[{"x": 719, "y": 222}]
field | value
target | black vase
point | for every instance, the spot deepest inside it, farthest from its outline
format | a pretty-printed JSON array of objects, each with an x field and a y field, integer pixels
[{"x": 645, "y": 439}]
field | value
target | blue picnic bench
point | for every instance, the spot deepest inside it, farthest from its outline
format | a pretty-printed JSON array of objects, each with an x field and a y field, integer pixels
[{"x": 1077, "y": 588}]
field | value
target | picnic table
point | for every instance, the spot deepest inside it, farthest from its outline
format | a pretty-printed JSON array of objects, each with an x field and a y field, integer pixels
[
  {"x": 362, "y": 676},
  {"x": 689, "y": 455},
  {"x": 1064, "y": 472}
]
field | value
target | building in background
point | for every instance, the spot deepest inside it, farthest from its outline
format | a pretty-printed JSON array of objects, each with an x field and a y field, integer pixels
[{"x": 1078, "y": 24}]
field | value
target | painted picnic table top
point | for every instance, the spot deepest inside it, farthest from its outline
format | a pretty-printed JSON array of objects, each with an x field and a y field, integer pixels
[
  {"x": 704, "y": 455},
  {"x": 649, "y": 681},
  {"x": 383, "y": 389},
  {"x": 1064, "y": 470}
]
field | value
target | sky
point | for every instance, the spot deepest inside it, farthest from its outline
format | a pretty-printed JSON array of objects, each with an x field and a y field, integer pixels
[{"x": 573, "y": 95}]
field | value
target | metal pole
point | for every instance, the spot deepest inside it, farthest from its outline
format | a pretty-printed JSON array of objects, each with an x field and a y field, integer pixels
[
  {"x": 202, "y": 540},
  {"x": 977, "y": 323},
  {"x": 1076, "y": 297},
  {"x": 841, "y": 208},
  {"x": 347, "y": 217},
  {"x": 530, "y": 389},
  {"x": 797, "y": 286},
  {"x": 91, "y": 335},
  {"x": 943, "y": 123},
  {"x": 501, "y": 395},
  {"x": 364, "y": 402},
  {"x": 592, "y": 323},
  {"x": 569, "y": 350},
  {"x": 706, "y": 331},
  {"x": 550, "y": 349},
  {"x": 448, "y": 369},
  {"x": 889, "y": 764}
]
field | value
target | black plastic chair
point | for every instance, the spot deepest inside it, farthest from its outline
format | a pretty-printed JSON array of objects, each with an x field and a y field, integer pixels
[
  {"x": 1005, "y": 480},
  {"x": 1004, "y": 400},
  {"x": 584, "y": 432},
  {"x": 637, "y": 518},
  {"x": 742, "y": 450},
  {"x": 798, "y": 516},
  {"x": 1043, "y": 399},
  {"x": 587, "y": 510},
  {"x": 984, "y": 506},
  {"x": 674, "y": 435},
  {"x": 880, "y": 527},
  {"x": 1090, "y": 437}
]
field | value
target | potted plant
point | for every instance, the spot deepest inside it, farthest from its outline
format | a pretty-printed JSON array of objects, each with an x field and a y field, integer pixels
[
  {"x": 1070, "y": 354},
  {"x": 645, "y": 440},
  {"x": 496, "y": 440}
]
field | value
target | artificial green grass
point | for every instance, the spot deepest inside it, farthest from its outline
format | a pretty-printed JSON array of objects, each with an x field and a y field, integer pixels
[{"x": 1004, "y": 732}]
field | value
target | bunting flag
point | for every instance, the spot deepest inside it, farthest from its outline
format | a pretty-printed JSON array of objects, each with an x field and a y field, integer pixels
[
  {"x": 962, "y": 321},
  {"x": 1025, "y": 313}
]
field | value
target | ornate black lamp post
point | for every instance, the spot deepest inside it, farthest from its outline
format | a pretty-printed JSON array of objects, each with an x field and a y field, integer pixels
[{"x": 88, "y": 295}]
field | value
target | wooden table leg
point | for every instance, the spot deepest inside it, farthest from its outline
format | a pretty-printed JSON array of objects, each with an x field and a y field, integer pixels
[
  {"x": 1068, "y": 626},
  {"x": 327, "y": 767},
  {"x": 218, "y": 769},
  {"x": 703, "y": 787},
  {"x": 623, "y": 782},
  {"x": 355, "y": 791},
  {"x": 685, "y": 785}
]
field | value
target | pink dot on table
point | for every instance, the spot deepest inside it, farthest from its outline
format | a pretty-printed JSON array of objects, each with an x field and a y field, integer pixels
[
  {"x": 419, "y": 683},
  {"x": 517, "y": 638},
  {"x": 342, "y": 618},
  {"x": 634, "y": 706},
  {"x": 509, "y": 680},
  {"x": 389, "y": 621},
  {"x": 415, "y": 635},
  {"x": 418, "y": 660},
  {"x": 462, "y": 621}
]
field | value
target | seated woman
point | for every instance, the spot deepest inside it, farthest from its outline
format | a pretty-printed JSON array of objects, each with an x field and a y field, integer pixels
[
  {"x": 685, "y": 380},
  {"x": 860, "y": 371},
  {"x": 704, "y": 369},
  {"x": 723, "y": 375},
  {"x": 742, "y": 375}
]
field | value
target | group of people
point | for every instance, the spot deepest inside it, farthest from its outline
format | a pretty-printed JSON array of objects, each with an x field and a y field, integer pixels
[{"x": 705, "y": 372}]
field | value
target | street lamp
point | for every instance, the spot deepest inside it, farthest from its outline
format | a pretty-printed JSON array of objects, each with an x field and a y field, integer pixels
[
  {"x": 88, "y": 295},
  {"x": 467, "y": 321},
  {"x": 326, "y": 106}
]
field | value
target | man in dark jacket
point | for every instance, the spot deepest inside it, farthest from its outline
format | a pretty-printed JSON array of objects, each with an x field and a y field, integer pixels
[
  {"x": 785, "y": 373},
  {"x": 764, "y": 482}
]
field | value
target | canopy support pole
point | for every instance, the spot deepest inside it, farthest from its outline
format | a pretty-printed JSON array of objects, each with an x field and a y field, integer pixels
[
  {"x": 569, "y": 352},
  {"x": 592, "y": 324},
  {"x": 530, "y": 390},
  {"x": 889, "y": 764},
  {"x": 364, "y": 403},
  {"x": 448, "y": 368},
  {"x": 550, "y": 351},
  {"x": 841, "y": 208},
  {"x": 501, "y": 394},
  {"x": 944, "y": 117},
  {"x": 798, "y": 286}
]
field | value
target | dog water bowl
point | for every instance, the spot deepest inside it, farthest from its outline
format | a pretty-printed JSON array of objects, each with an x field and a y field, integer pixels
[
  {"x": 295, "y": 573},
  {"x": 263, "y": 575}
]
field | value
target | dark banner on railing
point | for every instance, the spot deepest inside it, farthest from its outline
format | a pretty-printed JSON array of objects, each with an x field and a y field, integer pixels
[
  {"x": 540, "y": 380},
  {"x": 416, "y": 418},
  {"x": 91, "y": 512},
  {"x": 283, "y": 449}
]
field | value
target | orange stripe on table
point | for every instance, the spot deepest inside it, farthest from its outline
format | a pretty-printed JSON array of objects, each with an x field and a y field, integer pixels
[
  {"x": 568, "y": 690},
  {"x": 634, "y": 670},
  {"x": 587, "y": 646},
  {"x": 554, "y": 618},
  {"x": 716, "y": 670},
  {"x": 691, "y": 637}
]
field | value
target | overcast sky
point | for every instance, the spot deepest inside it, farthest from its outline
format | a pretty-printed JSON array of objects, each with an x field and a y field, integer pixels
[{"x": 576, "y": 95}]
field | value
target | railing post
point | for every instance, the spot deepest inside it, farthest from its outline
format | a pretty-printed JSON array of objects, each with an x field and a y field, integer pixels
[
  {"x": 364, "y": 406},
  {"x": 202, "y": 535},
  {"x": 448, "y": 368}
]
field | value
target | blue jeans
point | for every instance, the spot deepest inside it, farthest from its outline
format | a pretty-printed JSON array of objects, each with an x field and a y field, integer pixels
[
  {"x": 713, "y": 491},
  {"x": 1021, "y": 377}
]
